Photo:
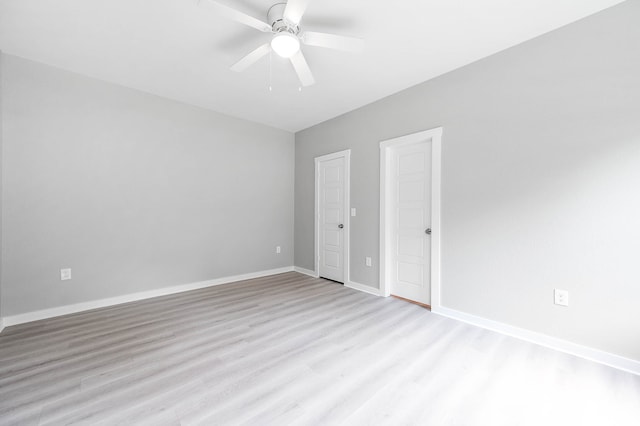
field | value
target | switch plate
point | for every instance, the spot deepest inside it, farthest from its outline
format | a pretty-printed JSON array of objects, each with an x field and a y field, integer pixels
[
  {"x": 353, "y": 211},
  {"x": 65, "y": 274},
  {"x": 278, "y": 250},
  {"x": 367, "y": 261},
  {"x": 561, "y": 297}
]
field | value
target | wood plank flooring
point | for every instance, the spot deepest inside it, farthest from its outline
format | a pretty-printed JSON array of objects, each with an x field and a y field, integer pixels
[{"x": 290, "y": 349}]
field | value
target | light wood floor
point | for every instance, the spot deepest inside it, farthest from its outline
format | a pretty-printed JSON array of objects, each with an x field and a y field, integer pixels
[{"x": 290, "y": 349}]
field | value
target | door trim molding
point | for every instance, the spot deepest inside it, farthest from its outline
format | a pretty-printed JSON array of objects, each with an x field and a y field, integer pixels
[
  {"x": 346, "y": 154},
  {"x": 435, "y": 135}
]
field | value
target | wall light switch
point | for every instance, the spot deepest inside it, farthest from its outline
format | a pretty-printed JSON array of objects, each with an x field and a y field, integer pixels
[
  {"x": 65, "y": 274},
  {"x": 367, "y": 261},
  {"x": 561, "y": 297},
  {"x": 353, "y": 211},
  {"x": 278, "y": 250}
]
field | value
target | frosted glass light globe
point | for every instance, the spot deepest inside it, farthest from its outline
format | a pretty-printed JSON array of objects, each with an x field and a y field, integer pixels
[{"x": 285, "y": 44}]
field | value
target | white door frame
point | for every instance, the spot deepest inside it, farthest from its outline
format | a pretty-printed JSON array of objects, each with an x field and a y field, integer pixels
[
  {"x": 346, "y": 154},
  {"x": 435, "y": 135}
]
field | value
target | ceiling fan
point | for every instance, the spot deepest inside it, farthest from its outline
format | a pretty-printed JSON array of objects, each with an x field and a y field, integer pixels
[{"x": 283, "y": 22}]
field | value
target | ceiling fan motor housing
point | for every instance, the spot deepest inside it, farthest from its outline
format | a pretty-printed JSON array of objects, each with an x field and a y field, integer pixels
[{"x": 275, "y": 16}]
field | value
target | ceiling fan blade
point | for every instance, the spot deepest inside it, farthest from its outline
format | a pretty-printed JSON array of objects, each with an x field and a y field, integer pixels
[
  {"x": 302, "y": 69},
  {"x": 294, "y": 10},
  {"x": 331, "y": 41},
  {"x": 251, "y": 58},
  {"x": 235, "y": 15}
]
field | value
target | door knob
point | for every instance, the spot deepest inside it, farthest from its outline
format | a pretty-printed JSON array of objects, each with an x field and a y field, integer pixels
[
  {"x": 428, "y": 231},
  {"x": 341, "y": 226}
]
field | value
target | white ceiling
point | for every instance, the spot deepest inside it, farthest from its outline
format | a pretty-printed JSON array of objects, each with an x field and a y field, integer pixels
[{"x": 175, "y": 49}]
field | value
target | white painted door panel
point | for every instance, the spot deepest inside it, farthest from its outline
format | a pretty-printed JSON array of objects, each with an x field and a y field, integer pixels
[
  {"x": 411, "y": 217},
  {"x": 331, "y": 218}
]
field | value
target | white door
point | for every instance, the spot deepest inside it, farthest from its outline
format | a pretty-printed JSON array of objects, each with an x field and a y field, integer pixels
[
  {"x": 410, "y": 187},
  {"x": 331, "y": 215}
]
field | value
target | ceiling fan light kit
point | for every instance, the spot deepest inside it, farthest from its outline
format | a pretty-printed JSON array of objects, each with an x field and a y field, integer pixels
[
  {"x": 284, "y": 24},
  {"x": 285, "y": 41},
  {"x": 285, "y": 44}
]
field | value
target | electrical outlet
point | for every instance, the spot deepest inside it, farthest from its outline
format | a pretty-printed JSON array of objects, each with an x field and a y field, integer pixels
[
  {"x": 65, "y": 274},
  {"x": 367, "y": 261},
  {"x": 278, "y": 250},
  {"x": 561, "y": 297}
]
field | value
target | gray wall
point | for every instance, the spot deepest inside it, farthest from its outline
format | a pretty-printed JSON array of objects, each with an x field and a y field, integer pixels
[
  {"x": 541, "y": 181},
  {"x": 131, "y": 191}
]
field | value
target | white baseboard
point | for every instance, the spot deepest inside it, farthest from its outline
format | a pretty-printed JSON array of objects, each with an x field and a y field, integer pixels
[
  {"x": 101, "y": 303},
  {"x": 351, "y": 284},
  {"x": 561, "y": 345},
  {"x": 592, "y": 354},
  {"x": 305, "y": 271},
  {"x": 362, "y": 287}
]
